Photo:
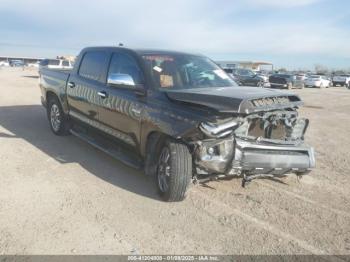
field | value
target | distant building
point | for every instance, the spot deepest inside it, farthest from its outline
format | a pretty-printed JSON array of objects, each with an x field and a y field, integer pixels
[
  {"x": 253, "y": 65},
  {"x": 30, "y": 60},
  {"x": 25, "y": 60}
]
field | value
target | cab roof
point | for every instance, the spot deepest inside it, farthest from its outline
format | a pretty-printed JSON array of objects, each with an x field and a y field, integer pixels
[{"x": 140, "y": 52}]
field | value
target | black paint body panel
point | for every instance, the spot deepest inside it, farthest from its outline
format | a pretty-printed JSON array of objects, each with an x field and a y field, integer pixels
[{"x": 131, "y": 117}]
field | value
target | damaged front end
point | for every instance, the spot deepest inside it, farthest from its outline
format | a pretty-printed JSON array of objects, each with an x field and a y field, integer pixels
[{"x": 264, "y": 143}]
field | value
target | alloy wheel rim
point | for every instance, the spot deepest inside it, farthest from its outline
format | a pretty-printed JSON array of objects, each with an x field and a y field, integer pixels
[
  {"x": 55, "y": 117},
  {"x": 163, "y": 171}
]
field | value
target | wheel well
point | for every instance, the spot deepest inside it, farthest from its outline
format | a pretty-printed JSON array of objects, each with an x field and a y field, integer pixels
[
  {"x": 50, "y": 95},
  {"x": 154, "y": 141}
]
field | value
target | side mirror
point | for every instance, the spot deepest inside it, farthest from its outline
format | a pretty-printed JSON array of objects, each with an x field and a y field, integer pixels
[
  {"x": 125, "y": 81},
  {"x": 120, "y": 80}
]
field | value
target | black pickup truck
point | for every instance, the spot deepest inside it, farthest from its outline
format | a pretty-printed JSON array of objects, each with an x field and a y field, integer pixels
[
  {"x": 285, "y": 81},
  {"x": 178, "y": 116}
]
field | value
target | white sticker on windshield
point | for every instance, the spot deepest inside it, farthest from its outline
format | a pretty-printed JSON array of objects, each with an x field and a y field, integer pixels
[
  {"x": 158, "y": 69},
  {"x": 221, "y": 74}
]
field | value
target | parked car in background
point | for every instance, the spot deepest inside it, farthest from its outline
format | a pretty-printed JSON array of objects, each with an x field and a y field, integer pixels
[
  {"x": 16, "y": 63},
  {"x": 300, "y": 76},
  {"x": 56, "y": 64},
  {"x": 285, "y": 81},
  {"x": 342, "y": 80},
  {"x": 247, "y": 77},
  {"x": 265, "y": 77},
  {"x": 36, "y": 64},
  {"x": 178, "y": 116},
  {"x": 319, "y": 81},
  {"x": 4, "y": 63}
]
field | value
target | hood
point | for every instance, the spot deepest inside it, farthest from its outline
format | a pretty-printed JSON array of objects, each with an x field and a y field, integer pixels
[{"x": 238, "y": 99}]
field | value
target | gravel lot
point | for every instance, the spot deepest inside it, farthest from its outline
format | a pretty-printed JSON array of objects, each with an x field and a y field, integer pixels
[{"x": 61, "y": 196}]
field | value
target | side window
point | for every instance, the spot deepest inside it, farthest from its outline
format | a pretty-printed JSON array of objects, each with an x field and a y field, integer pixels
[
  {"x": 125, "y": 64},
  {"x": 92, "y": 65},
  {"x": 54, "y": 62},
  {"x": 44, "y": 62},
  {"x": 65, "y": 63}
]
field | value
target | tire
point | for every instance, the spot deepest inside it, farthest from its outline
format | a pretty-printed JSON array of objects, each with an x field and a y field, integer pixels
[
  {"x": 58, "y": 121},
  {"x": 174, "y": 171}
]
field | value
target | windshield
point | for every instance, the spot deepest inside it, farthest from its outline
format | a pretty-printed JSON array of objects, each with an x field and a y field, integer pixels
[{"x": 182, "y": 71}]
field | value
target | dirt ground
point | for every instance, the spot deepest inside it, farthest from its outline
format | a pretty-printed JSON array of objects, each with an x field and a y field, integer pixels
[{"x": 59, "y": 195}]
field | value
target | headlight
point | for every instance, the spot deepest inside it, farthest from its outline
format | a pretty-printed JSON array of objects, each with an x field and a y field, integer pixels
[
  {"x": 214, "y": 156},
  {"x": 218, "y": 129}
]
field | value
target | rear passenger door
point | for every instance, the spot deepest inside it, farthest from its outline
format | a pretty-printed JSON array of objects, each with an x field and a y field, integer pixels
[{"x": 83, "y": 87}]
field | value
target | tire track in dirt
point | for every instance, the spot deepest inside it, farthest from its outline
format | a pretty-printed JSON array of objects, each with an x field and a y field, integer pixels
[
  {"x": 229, "y": 211},
  {"x": 262, "y": 224},
  {"x": 305, "y": 199}
]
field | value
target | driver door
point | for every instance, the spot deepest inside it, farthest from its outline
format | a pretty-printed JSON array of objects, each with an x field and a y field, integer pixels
[{"x": 121, "y": 109}]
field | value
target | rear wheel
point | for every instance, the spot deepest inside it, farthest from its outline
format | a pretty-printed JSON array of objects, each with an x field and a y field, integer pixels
[
  {"x": 174, "y": 171},
  {"x": 58, "y": 120}
]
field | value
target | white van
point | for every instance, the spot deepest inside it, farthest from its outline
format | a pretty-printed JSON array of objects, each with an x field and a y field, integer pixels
[{"x": 56, "y": 64}]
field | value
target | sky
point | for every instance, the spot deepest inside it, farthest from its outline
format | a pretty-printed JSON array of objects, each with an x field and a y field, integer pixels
[{"x": 295, "y": 34}]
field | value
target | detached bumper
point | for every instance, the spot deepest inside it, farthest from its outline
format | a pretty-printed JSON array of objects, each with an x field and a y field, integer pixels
[{"x": 252, "y": 158}]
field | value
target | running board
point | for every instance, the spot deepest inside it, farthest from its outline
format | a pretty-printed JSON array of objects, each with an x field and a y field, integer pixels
[{"x": 127, "y": 158}]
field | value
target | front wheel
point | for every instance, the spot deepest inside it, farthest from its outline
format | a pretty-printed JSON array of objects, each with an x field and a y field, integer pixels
[{"x": 174, "y": 171}]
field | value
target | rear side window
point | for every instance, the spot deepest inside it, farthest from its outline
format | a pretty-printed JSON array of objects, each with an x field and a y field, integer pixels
[
  {"x": 54, "y": 62},
  {"x": 44, "y": 62},
  {"x": 65, "y": 63},
  {"x": 93, "y": 64}
]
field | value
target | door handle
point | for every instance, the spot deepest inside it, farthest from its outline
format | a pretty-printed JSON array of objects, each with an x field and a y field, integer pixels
[
  {"x": 71, "y": 84},
  {"x": 102, "y": 94},
  {"x": 136, "y": 111}
]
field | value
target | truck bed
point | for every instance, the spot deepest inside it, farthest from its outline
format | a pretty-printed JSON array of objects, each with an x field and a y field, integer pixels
[{"x": 55, "y": 79}]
